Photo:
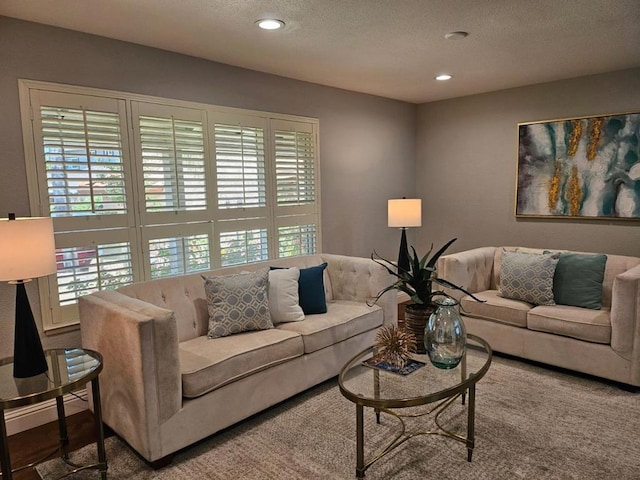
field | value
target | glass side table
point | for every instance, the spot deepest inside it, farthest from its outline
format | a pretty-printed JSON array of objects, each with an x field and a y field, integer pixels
[{"x": 69, "y": 369}]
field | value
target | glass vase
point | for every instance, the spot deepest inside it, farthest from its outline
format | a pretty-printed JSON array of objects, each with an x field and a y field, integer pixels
[{"x": 445, "y": 336}]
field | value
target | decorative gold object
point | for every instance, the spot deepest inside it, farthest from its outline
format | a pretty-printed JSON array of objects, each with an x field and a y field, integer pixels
[
  {"x": 554, "y": 187},
  {"x": 394, "y": 345},
  {"x": 574, "y": 192},
  {"x": 574, "y": 138},
  {"x": 595, "y": 129}
]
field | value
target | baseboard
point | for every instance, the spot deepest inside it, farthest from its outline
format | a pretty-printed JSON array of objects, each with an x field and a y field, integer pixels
[{"x": 25, "y": 418}]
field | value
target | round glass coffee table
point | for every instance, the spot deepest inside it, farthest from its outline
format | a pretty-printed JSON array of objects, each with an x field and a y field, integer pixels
[
  {"x": 68, "y": 370},
  {"x": 429, "y": 387}
]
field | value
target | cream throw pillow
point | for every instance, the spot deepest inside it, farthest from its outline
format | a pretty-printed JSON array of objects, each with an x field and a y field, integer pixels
[{"x": 283, "y": 295}]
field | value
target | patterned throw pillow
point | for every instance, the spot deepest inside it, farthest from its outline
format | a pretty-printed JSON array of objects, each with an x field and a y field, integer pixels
[
  {"x": 528, "y": 277},
  {"x": 237, "y": 303}
]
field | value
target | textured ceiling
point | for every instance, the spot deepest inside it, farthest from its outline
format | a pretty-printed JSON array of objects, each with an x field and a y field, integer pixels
[{"x": 391, "y": 48}]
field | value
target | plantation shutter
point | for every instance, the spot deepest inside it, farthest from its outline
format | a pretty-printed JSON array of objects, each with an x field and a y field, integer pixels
[
  {"x": 173, "y": 164},
  {"x": 83, "y": 161},
  {"x": 142, "y": 187},
  {"x": 240, "y": 166},
  {"x": 177, "y": 249},
  {"x": 295, "y": 167},
  {"x": 243, "y": 246},
  {"x": 296, "y": 188},
  {"x": 296, "y": 240},
  {"x": 81, "y": 148}
]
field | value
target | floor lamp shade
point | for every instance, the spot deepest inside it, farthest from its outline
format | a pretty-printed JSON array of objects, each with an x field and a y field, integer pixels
[
  {"x": 403, "y": 213},
  {"x": 27, "y": 251}
]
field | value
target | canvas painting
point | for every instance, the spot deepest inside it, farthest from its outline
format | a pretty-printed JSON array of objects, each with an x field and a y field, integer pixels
[{"x": 580, "y": 168}]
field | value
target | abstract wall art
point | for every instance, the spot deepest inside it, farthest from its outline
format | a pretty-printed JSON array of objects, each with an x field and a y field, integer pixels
[{"x": 585, "y": 167}]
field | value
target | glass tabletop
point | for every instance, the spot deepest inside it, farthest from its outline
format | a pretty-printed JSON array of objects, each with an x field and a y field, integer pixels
[
  {"x": 374, "y": 387},
  {"x": 69, "y": 368}
]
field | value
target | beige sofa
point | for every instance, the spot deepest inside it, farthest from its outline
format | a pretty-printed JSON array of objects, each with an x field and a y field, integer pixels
[
  {"x": 153, "y": 337},
  {"x": 604, "y": 342}
]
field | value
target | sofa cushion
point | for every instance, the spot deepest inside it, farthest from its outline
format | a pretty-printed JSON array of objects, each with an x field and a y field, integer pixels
[
  {"x": 283, "y": 295},
  {"x": 496, "y": 308},
  {"x": 528, "y": 277},
  {"x": 581, "y": 323},
  {"x": 578, "y": 280},
  {"x": 237, "y": 303},
  {"x": 344, "y": 319},
  {"x": 207, "y": 364}
]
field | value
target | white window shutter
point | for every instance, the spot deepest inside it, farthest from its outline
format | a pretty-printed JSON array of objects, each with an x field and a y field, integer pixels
[
  {"x": 83, "y": 160},
  {"x": 243, "y": 246},
  {"x": 240, "y": 166},
  {"x": 173, "y": 164},
  {"x": 297, "y": 240},
  {"x": 295, "y": 167}
]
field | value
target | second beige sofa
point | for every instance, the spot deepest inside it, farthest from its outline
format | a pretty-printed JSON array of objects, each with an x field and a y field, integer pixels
[{"x": 604, "y": 342}]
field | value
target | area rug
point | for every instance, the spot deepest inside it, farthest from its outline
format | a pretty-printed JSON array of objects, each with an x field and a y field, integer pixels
[{"x": 531, "y": 423}]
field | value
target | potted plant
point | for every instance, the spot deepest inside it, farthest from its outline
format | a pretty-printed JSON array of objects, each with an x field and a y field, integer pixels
[{"x": 418, "y": 282}]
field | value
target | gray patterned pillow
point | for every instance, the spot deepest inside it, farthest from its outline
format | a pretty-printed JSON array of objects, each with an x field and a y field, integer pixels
[
  {"x": 528, "y": 277},
  {"x": 237, "y": 303}
]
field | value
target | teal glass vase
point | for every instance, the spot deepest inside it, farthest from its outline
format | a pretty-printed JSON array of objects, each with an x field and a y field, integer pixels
[{"x": 445, "y": 336}]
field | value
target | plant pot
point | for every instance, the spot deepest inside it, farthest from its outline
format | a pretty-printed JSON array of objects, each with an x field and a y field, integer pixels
[{"x": 415, "y": 321}]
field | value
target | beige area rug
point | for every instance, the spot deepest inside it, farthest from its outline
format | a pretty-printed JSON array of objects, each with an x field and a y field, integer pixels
[{"x": 531, "y": 423}]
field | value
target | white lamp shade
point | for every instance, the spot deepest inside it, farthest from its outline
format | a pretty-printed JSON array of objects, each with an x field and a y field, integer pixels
[
  {"x": 27, "y": 248},
  {"x": 405, "y": 212}
]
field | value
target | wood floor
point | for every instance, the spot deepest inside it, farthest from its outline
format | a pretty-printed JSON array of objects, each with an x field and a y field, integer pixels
[{"x": 32, "y": 445}]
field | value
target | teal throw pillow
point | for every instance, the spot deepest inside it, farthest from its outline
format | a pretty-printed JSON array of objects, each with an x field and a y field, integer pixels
[
  {"x": 528, "y": 277},
  {"x": 578, "y": 280},
  {"x": 311, "y": 290}
]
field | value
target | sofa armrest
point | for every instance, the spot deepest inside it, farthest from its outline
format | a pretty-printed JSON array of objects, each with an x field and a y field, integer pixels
[
  {"x": 141, "y": 386},
  {"x": 471, "y": 270},
  {"x": 360, "y": 279},
  {"x": 625, "y": 317}
]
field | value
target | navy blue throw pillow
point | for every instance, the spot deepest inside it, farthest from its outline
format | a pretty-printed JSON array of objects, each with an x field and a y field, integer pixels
[{"x": 311, "y": 290}]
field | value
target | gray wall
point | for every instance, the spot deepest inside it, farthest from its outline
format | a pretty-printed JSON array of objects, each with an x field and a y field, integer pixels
[
  {"x": 466, "y": 166},
  {"x": 367, "y": 143}
]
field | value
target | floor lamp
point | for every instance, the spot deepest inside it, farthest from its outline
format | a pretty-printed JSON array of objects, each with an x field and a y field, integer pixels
[
  {"x": 27, "y": 251},
  {"x": 403, "y": 213}
]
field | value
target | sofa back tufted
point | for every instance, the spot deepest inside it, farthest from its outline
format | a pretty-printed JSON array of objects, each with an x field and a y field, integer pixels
[{"x": 345, "y": 278}]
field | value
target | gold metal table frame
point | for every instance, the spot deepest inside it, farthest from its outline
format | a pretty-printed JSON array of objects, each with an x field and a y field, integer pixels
[
  {"x": 439, "y": 401},
  {"x": 68, "y": 370}
]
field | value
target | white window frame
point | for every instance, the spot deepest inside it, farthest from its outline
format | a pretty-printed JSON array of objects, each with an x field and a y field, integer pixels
[{"x": 137, "y": 225}]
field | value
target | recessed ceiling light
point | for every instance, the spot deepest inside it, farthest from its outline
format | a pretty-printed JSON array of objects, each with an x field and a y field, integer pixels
[
  {"x": 444, "y": 76},
  {"x": 456, "y": 35},
  {"x": 270, "y": 24}
]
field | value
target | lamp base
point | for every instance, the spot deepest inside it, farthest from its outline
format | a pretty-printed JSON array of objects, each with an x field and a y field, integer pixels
[
  {"x": 403, "y": 254},
  {"x": 28, "y": 356}
]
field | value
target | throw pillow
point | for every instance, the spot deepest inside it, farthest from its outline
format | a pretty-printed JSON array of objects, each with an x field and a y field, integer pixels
[
  {"x": 578, "y": 280},
  {"x": 237, "y": 303},
  {"x": 528, "y": 277},
  {"x": 311, "y": 290},
  {"x": 283, "y": 295}
]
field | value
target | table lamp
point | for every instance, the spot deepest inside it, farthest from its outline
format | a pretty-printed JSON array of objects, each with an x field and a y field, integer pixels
[
  {"x": 27, "y": 251},
  {"x": 403, "y": 213}
]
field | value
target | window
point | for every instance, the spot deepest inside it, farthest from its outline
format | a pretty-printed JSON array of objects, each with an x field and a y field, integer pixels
[{"x": 142, "y": 188}]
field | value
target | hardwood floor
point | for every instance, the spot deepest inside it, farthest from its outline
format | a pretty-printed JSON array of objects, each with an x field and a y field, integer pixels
[{"x": 32, "y": 445}]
